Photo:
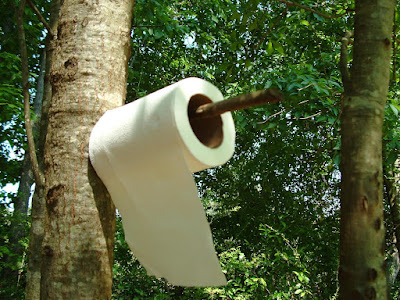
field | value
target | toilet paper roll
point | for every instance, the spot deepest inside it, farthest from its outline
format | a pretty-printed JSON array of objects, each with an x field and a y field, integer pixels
[{"x": 144, "y": 152}]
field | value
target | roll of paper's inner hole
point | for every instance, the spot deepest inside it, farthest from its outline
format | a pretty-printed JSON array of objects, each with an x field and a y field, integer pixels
[{"x": 209, "y": 130}]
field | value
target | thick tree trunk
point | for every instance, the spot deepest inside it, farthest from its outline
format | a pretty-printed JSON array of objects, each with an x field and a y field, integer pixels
[
  {"x": 362, "y": 234},
  {"x": 88, "y": 77}
]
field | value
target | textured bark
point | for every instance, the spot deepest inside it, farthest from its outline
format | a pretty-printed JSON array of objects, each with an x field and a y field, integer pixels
[
  {"x": 88, "y": 77},
  {"x": 213, "y": 109},
  {"x": 362, "y": 234}
]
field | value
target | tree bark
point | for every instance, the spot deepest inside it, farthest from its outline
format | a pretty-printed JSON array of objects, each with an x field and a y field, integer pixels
[
  {"x": 362, "y": 234},
  {"x": 88, "y": 77}
]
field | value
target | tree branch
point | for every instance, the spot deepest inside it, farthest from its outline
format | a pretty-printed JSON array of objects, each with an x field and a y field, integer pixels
[
  {"x": 291, "y": 108},
  {"x": 283, "y": 110},
  {"x": 19, "y": 13},
  {"x": 318, "y": 113},
  {"x": 210, "y": 110},
  {"x": 291, "y": 3},
  {"x": 344, "y": 70},
  {"x": 312, "y": 116},
  {"x": 39, "y": 15}
]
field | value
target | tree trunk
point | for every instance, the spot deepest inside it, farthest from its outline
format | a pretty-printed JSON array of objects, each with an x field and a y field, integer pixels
[
  {"x": 33, "y": 276},
  {"x": 391, "y": 182},
  {"x": 362, "y": 233},
  {"x": 21, "y": 202},
  {"x": 18, "y": 224},
  {"x": 88, "y": 76},
  {"x": 38, "y": 211}
]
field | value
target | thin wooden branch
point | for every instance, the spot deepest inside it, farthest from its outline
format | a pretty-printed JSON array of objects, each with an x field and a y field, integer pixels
[
  {"x": 283, "y": 110},
  {"x": 291, "y": 3},
  {"x": 318, "y": 113},
  {"x": 210, "y": 110},
  {"x": 292, "y": 107},
  {"x": 312, "y": 116},
  {"x": 39, "y": 15},
  {"x": 344, "y": 70},
  {"x": 39, "y": 177}
]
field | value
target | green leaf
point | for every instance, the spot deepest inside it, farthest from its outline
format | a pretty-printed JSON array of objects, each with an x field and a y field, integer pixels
[
  {"x": 262, "y": 282},
  {"x": 336, "y": 160},
  {"x": 393, "y": 156},
  {"x": 235, "y": 16},
  {"x": 158, "y": 34},
  {"x": 248, "y": 63},
  {"x": 304, "y": 22},
  {"x": 278, "y": 47},
  {"x": 253, "y": 26},
  {"x": 394, "y": 109},
  {"x": 270, "y": 48}
]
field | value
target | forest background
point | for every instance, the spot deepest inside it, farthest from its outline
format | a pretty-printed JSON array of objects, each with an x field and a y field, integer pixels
[{"x": 274, "y": 208}]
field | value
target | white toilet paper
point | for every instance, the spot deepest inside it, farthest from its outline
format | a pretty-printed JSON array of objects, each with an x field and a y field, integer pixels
[{"x": 145, "y": 152}]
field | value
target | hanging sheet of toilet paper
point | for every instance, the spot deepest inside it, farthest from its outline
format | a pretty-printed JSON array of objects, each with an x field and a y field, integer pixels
[{"x": 145, "y": 152}]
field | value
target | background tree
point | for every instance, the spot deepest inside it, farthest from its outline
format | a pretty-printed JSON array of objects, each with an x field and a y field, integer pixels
[{"x": 362, "y": 272}]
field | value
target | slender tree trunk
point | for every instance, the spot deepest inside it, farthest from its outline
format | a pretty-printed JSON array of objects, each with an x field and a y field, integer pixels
[
  {"x": 362, "y": 234},
  {"x": 32, "y": 289},
  {"x": 18, "y": 227},
  {"x": 38, "y": 211},
  {"x": 391, "y": 182},
  {"x": 33, "y": 278},
  {"x": 88, "y": 77},
  {"x": 392, "y": 186},
  {"x": 21, "y": 202}
]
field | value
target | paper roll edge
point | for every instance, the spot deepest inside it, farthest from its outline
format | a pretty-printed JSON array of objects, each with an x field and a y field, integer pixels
[{"x": 197, "y": 155}]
